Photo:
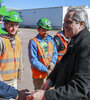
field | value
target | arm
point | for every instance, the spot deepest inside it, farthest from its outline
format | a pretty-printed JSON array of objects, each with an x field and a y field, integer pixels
[
  {"x": 50, "y": 82},
  {"x": 21, "y": 69},
  {"x": 7, "y": 92},
  {"x": 32, "y": 50},
  {"x": 2, "y": 46},
  {"x": 2, "y": 49},
  {"x": 47, "y": 85},
  {"x": 53, "y": 74}
]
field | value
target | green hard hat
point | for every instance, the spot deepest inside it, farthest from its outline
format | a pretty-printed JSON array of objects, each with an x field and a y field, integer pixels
[
  {"x": 3, "y": 11},
  {"x": 13, "y": 17},
  {"x": 2, "y": 31},
  {"x": 44, "y": 23}
]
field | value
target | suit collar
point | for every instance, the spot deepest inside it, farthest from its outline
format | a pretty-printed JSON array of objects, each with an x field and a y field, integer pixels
[{"x": 79, "y": 36}]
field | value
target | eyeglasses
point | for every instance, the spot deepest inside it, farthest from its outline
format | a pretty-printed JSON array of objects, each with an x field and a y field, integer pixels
[
  {"x": 1, "y": 18},
  {"x": 12, "y": 24}
]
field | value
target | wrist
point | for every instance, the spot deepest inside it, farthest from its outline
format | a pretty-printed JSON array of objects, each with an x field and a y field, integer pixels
[{"x": 17, "y": 97}]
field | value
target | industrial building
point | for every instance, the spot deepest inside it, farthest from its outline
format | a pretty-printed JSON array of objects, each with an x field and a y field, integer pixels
[{"x": 56, "y": 15}]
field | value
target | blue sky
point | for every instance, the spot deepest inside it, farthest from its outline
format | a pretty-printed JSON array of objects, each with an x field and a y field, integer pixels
[{"x": 30, "y": 4}]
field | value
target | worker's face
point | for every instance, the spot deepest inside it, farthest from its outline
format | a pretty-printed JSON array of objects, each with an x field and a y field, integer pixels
[
  {"x": 1, "y": 19},
  {"x": 11, "y": 27},
  {"x": 71, "y": 27},
  {"x": 43, "y": 32}
]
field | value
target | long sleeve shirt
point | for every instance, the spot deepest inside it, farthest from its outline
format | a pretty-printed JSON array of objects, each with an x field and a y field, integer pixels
[
  {"x": 33, "y": 53},
  {"x": 7, "y": 91}
]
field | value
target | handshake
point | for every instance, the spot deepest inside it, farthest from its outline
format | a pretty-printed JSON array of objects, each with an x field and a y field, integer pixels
[
  {"x": 22, "y": 94},
  {"x": 36, "y": 95},
  {"x": 26, "y": 95}
]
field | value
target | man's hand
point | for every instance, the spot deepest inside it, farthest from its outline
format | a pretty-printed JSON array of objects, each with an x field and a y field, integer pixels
[
  {"x": 37, "y": 95},
  {"x": 46, "y": 85},
  {"x": 20, "y": 74},
  {"x": 22, "y": 94},
  {"x": 19, "y": 80}
]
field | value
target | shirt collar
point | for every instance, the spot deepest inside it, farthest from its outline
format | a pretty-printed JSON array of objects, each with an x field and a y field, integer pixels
[{"x": 40, "y": 39}]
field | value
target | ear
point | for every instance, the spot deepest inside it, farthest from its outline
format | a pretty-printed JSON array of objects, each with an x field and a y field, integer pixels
[
  {"x": 82, "y": 24},
  {"x": 38, "y": 29}
]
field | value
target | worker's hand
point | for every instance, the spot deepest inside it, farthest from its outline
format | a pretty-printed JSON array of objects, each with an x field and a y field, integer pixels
[
  {"x": 49, "y": 71},
  {"x": 22, "y": 94},
  {"x": 37, "y": 95},
  {"x": 19, "y": 80},
  {"x": 20, "y": 75},
  {"x": 51, "y": 66},
  {"x": 46, "y": 85}
]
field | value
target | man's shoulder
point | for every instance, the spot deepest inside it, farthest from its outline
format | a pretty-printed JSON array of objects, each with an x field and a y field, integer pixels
[
  {"x": 86, "y": 39},
  {"x": 33, "y": 41},
  {"x": 49, "y": 37}
]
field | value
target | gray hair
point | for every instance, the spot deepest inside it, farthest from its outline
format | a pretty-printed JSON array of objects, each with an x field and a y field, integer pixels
[{"x": 80, "y": 14}]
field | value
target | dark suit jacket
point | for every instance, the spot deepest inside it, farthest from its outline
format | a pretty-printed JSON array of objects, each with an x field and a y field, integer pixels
[{"x": 71, "y": 76}]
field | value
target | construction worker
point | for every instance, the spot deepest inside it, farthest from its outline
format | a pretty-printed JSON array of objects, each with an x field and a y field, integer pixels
[
  {"x": 61, "y": 44},
  {"x": 10, "y": 52},
  {"x": 42, "y": 53},
  {"x": 7, "y": 91}
]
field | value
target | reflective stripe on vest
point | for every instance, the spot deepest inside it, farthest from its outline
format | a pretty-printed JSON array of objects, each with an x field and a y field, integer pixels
[
  {"x": 43, "y": 58},
  {"x": 61, "y": 53},
  {"x": 8, "y": 71},
  {"x": 9, "y": 60}
]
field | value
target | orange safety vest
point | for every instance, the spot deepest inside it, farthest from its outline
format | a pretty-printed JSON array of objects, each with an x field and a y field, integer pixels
[
  {"x": 43, "y": 58},
  {"x": 9, "y": 60},
  {"x": 61, "y": 53}
]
